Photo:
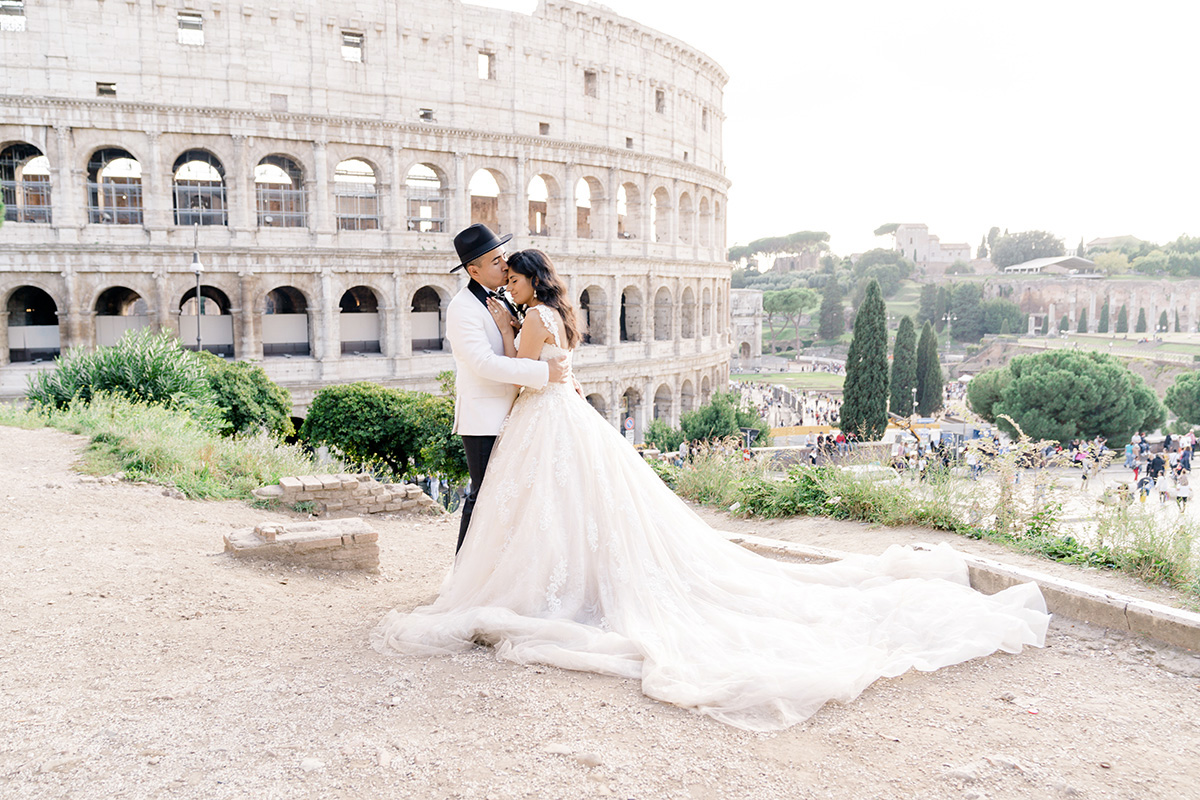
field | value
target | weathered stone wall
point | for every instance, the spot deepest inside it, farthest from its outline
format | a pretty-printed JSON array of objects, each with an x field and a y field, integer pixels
[
  {"x": 357, "y": 494},
  {"x": 332, "y": 544}
]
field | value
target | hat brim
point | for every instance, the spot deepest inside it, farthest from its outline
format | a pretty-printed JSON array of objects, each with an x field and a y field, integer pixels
[{"x": 481, "y": 250}]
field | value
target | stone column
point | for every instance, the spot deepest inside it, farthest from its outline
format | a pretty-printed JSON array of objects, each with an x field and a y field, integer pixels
[
  {"x": 647, "y": 229},
  {"x": 242, "y": 197},
  {"x": 521, "y": 190},
  {"x": 67, "y": 198},
  {"x": 163, "y": 307},
  {"x": 610, "y": 210},
  {"x": 614, "y": 318},
  {"x": 3, "y": 337},
  {"x": 398, "y": 223},
  {"x": 156, "y": 191},
  {"x": 404, "y": 310},
  {"x": 1093, "y": 320},
  {"x": 570, "y": 226},
  {"x": 676, "y": 314},
  {"x": 461, "y": 197},
  {"x": 1052, "y": 326},
  {"x": 326, "y": 335},
  {"x": 319, "y": 191},
  {"x": 248, "y": 320}
]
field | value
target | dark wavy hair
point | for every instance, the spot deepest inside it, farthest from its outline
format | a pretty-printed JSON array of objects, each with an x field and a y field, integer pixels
[{"x": 548, "y": 287}]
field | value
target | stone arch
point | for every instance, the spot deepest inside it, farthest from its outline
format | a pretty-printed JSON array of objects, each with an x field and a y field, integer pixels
[
  {"x": 491, "y": 198},
  {"x": 359, "y": 320},
  {"x": 213, "y": 326},
  {"x": 286, "y": 330},
  {"x": 114, "y": 186},
  {"x": 687, "y": 221},
  {"x": 631, "y": 403},
  {"x": 744, "y": 351},
  {"x": 706, "y": 312},
  {"x": 33, "y": 333},
  {"x": 687, "y": 397},
  {"x": 542, "y": 200},
  {"x": 198, "y": 189},
  {"x": 356, "y": 194},
  {"x": 428, "y": 319},
  {"x": 25, "y": 183},
  {"x": 598, "y": 402},
  {"x": 118, "y": 309},
  {"x": 705, "y": 233},
  {"x": 629, "y": 211},
  {"x": 593, "y": 314},
  {"x": 280, "y": 196},
  {"x": 428, "y": 193},
  {"x": 589, "y": 197},
  {"x": 660, "y": 214},
  {"x": 718, "y": 225},
  {"x": 705, "y": 390},
  {"x": 663, "y": 402},
  {"x": 631, "y": 314},
  {"x": 663, "y": 310},
  {"x": 687, "y": 314}
]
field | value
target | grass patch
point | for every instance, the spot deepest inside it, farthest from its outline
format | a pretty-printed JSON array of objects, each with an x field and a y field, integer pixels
[{"x": 169, "y": 448}]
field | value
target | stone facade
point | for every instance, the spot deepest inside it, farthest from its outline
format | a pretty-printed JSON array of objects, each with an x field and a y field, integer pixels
[
  {"x": 1055, "y": 296},
  {"x": 916, "y": 243},
  {"x": 747, "y": 305},
  {"x": 318, "y": 159}
]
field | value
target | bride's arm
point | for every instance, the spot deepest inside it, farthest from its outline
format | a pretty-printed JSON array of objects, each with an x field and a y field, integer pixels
[{"x": 533, "y": 336}]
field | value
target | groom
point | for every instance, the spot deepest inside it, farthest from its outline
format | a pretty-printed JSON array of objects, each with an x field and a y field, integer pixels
[{"x": 486, "y": 381}]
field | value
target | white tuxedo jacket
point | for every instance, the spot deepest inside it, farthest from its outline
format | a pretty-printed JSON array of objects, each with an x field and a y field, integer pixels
[{"x": 486, "y": 381}]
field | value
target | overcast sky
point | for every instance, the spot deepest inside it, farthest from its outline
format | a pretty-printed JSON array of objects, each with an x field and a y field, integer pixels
[{"x": 1080, "y": 118}]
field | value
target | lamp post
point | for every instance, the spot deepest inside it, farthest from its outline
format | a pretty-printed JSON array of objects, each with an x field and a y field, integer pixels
[
  {"x": 197, "y": 268},
  {"x": 914, "y": 403},
  {"x": 948, "y": 318}
]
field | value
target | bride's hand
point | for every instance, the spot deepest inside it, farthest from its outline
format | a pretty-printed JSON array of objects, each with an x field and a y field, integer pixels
[{"x": 505, "y": 321}]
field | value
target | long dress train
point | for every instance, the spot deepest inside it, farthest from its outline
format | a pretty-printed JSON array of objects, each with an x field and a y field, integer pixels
[{"x": 579, "y": 556}]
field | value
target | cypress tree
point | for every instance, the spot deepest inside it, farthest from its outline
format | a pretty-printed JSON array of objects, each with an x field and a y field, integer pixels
[
  {"x": 1005, "y": 328},
  {"x": 1064, "y": 324},
  {"x": 1141, "y": 323},
  {"x": 941, "y": 308},
  {"x": 927, "y": 308},
  {"x": 1045, "y": 325},
  {"x": 833, "y": 319},
  {"x": 1102, "y": 326},
  {"x": 929, "y": 373},
  {"x": 865, "y": 392},
  {"x": 1162, "y": 321},
  {"x": 1083, "y": 320},
  {"x": 1122, "y": 321},
  {"x": 904, "y": 369},
  {"x": 1177, "y": 328}
]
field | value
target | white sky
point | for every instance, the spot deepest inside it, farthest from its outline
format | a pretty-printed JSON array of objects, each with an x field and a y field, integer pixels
[{"x": 1080, "y": 117}]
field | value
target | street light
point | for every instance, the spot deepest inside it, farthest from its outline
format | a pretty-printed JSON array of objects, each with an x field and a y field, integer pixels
[
  {"x": 914, "y": 403},
  {"x": 948, "y": 318},
  {"x": 197, "y": 268}
]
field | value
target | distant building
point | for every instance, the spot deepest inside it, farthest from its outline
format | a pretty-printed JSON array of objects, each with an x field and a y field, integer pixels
[
  {"x": 746, "y": 307},
  {"x": 916, "y": 243},
  {"x": 1054, "y": 265},
  {"x": 805, "y": 262},
  {"x": 1112, "y": 243}
]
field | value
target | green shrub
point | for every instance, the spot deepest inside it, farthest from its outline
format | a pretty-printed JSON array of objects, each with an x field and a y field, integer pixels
[
  {"x": 663, "y": 437},
  {"x": 143, "y": 366},
  {"x": 246, "y": 399},
  {"x": 400, "y": 431}
]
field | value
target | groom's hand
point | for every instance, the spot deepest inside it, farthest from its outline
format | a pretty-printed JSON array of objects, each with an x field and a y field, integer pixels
[{"x": 558, "y": 369}]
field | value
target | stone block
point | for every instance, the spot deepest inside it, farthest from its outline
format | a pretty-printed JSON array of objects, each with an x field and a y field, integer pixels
[
  {"x": 333, "y": 505},
  {"x": 395, "y": 505},
  {"x": 412, "y": 491},
  {"x": 328, "y": 544},
  {"x": 291, "y": 484},
  {"x": 348, "y": 481},
  {"x": 329, "y": 481},
  {"x": 375, "y": 508},
  {"x": 310, "y": 484},
  {"x": 361, "y": 491},
  {"x": 304, "y": 497},
  {"x": 269, "y": 492}
]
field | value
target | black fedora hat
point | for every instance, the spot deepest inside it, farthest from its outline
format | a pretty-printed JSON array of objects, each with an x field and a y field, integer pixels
[{"x": 474, "y": 241}]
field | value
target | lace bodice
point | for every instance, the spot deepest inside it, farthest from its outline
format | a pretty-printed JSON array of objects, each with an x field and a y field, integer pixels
[{"x": 553, "y": 324}]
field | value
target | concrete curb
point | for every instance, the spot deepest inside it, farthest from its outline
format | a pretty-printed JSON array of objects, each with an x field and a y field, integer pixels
[{"x": 1065, "y": 598}]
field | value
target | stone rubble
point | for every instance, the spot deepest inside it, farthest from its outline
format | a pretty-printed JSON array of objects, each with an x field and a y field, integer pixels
[
  {"x": 328, "y": 544},
  {"x": 349, "y": 494}
]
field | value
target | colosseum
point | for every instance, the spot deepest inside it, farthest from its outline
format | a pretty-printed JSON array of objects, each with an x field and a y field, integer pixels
[{"x": 282, "y": 181}]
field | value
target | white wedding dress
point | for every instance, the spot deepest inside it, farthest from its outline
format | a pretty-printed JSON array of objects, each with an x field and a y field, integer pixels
[{"x": 579, "y": 556}]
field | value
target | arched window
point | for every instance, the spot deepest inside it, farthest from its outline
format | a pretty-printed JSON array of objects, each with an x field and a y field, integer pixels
[
  {"x": 285, "y": 323},
  {"x": 32, "y": 325},
  {"x": 485, "y": 200},
  {"x": 597, "y": 402},
  {"x": 199, "y": 189},
  {"x": 359, "y": 321},
  {"x": 119, "y": 309},
  {"x": 630, "y": 402},
  {"x": 114, "y": 188},
  {"x": 428, "y": 325},
  {"x": 538, "y": 196},
  {"x": 589, "y": 193},
  {"x": 687, "y": 222},
  {"x": 24, "y": 183},
  {"x": 705, "y": 391},
  {"x": 426, "y": 200},
  {"x": 660, "y": 214},
  {"x": 279, "y": 193},
  {"x": 687, "y": 398},
  {"x": 593, "y": 315},
  {"x": 629, "y": 218},
  {"x": 705, "y": 222},
  {"x": 662, "y": 315},
  {"x": 215, "y": 320},
  {"x": 356, "y": 196},
  {"x": 662, "y": 403}
]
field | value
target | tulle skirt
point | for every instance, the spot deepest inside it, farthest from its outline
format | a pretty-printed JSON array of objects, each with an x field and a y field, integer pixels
[{"x": 579, "y": 556}]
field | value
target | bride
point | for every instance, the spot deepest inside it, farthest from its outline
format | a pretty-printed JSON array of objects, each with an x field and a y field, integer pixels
[{"x": 580, "y": 557}]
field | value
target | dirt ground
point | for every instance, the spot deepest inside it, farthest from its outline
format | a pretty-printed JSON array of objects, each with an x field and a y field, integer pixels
[{"x": 137, "y": 660}]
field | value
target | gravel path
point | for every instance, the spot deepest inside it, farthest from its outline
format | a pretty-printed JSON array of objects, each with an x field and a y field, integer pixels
[{"x": 139, "y": 661}]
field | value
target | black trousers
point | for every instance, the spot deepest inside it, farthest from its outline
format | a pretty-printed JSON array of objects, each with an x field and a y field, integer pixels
[{"x": 478, "y": 450}]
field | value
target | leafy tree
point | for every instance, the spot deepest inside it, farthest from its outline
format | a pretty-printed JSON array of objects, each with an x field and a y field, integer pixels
[
  {"x": 886, "y": 228},
  {"x": 1141, "y": 321},
  {"x": 982, "y": 252},
  {"x": 1183, "y": 398},
  {"x": 1111, "y": 263},
  {"x": 738, "y": 253},
  {"x": 984, "y": 390},
  {"x": 793, "y": 304},
  {"x": 833, "y": 317},
  {"x": 1017, "y": 248},
  {"x": 966, "y": 308},
  {"x": 663, "y": 437},
  {"x": 1082, "y": 327},
  {"x": 889, "y": 267},
  {"x": 1102, "y": 325},
  {"x": 1045, "y": 329},
  {"x": 927, "y": 307},
  {"x": 1064, "y": 324},
  {"x": 1069, "y": 394},
  {"x": 999, "y": 313},
  {"x": 1122, "y": 321},
  {"x": 941, "y": 308},
  {"x": 773, "y": 306},
  {"x": 1005, "y": 328},
  {"x": 1162, "y": 322},
  {"x": 904, "y": 369},
  {"x": 992, "y": 236},
  {"x": 929, "y": 373},
  {"x": 1081, "y": 250},
  {"x": 865, "y": 391},
  {"x": 722, "y": 418},
  {"x": 246, "y": 398}
]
